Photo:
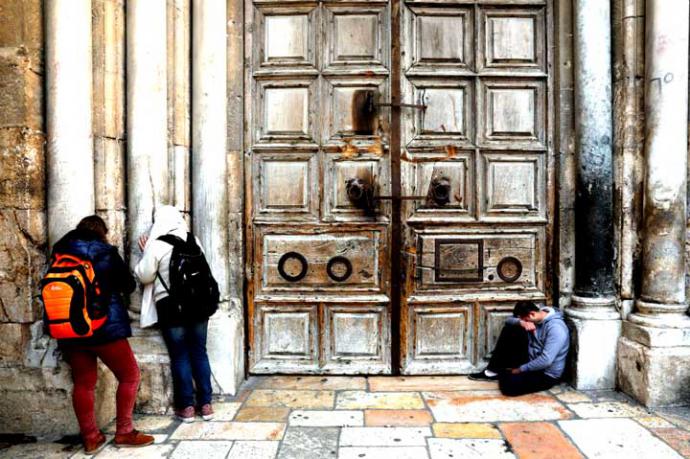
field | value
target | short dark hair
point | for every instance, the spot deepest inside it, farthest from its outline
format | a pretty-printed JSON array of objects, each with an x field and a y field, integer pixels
[
  {"x": 95, "y": 224},
  {"x": 523, "y": 308}
]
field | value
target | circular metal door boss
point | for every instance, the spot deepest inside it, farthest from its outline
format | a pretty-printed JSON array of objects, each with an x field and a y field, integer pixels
[
  {"x": 292, "y": 266},
  {"x": 339, "y": 269},
  {"x": 509, "y": 269}
]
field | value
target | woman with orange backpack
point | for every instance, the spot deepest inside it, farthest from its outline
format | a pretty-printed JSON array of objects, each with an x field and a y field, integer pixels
[{"x": 85, "y": 310}]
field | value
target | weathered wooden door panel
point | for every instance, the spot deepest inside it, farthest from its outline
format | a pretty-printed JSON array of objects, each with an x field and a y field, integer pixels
[
  {"x": 477, "y": 159},
  {"x": 481, "y": 69},
  {"x": 318, "y": 265}
]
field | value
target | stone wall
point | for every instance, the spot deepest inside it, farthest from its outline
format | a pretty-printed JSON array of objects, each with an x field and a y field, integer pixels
[{"x": 34, "y": 383}]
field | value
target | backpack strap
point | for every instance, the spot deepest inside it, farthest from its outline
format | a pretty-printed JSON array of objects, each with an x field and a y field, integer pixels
[{"x": 173, "y": 241}]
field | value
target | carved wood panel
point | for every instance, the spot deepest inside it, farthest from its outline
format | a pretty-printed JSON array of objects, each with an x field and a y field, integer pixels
[
  {"x": 481, "y": 70},
  {"x": 476, "y": 164},
  {"x": 318, "y": 264}
]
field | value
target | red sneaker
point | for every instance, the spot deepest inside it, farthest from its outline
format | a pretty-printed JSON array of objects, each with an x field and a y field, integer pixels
[
  {"x": 185, "y": 415},
  {"x": 94, "y": 445},
  {"x": 206, "y": 412},
  {"x": 133, "y": 439}
]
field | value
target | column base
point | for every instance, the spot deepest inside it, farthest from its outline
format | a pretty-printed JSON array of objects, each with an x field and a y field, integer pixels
[
  {"x": 595, "y": 327},
  {"x": 655, "y": 376},
  {"x": 155, "y": 389},
  {"x": 225, "y": 346}
]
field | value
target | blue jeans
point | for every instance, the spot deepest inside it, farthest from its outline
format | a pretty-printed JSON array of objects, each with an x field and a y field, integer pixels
[{"x": 188, "y": 361}]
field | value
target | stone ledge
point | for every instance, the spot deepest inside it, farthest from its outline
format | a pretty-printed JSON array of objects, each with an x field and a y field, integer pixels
[
  {"x": 656, "y": 337},
  {"x": 655, "y": 376}
]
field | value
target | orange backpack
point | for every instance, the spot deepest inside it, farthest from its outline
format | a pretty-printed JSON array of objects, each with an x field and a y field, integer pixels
[{"x": 69, "y": 290}]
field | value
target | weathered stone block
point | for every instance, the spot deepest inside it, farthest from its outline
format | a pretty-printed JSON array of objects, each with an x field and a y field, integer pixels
[
  {"x": 225, "y": 348},
  {"x": 21, "y": 23},
  {"x": 49, "y": 389},
  {"x": 155, "y": 388},
  {"x": 13, "y": 339},
  {"x": 22, "y": 175},
  {"x": 22, "y": 258},
  {"x": 21, "y": 88},
  {"x": 654, "y": 376},
  {"x": 592, "y": 350}
]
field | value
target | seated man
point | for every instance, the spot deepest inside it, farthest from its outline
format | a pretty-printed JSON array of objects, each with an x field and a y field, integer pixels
[{"x": 531, "y": 351}]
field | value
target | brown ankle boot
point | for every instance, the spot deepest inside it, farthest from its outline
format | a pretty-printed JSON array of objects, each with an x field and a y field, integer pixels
[
  {"x": 94, "y": 445},
  {"x": 133, "y": 439}
]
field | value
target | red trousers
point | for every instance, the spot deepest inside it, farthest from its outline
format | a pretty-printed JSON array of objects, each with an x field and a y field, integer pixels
[{"x": 118, "y": 357}]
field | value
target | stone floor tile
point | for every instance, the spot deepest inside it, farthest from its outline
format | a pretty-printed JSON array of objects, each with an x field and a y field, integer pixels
[
  {"x": 201, "y": 449},
  {"x": 572, "y": 396},
  {"x": 465, "y": 430},
  {"x": 331, "y": 418},
  {"x": 309, "y": 443},
  {"x": 191, "y": 431},
  {"x": 615, "y": 438},
  {"x": 678, "y": 415},
  {"x": 225, "y": 411},
  {"x": 607, "y": 396},
  {"x": 263, "y": 413},
  {"x": 359, "y": 400},
  {"x": 444, "y": 448},
  {"x": 42, "y": 450},
  {"x": 300, "y": 399},
  {"x": 427, "y": 383},
  {"x": 608, "y": 410},
  {"x": 655, "y": 422},
  {"x": 254, "y": 450},
  {"x": 373, "y": 418},
  {"x": 384, "y": 436},
  {"x": 229, "y": 431},
  {"x": 539, "y": 440},
  {"x": 407, "y": 452},
  {"x": 147, "y": 452},
  {"x": 487, "y": 407},
  {"x": 313, "y": 383},
  {"x": 148, "y": 424},
  {"x": 159, "y": 438},
  {"x": 679, "y": 439}
]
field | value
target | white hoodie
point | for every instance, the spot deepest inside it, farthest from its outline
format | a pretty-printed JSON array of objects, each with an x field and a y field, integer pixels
[{"x": 156, "y": 259}]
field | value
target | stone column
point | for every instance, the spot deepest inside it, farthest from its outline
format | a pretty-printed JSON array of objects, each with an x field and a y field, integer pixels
[
  {"x": 210, "y": 178},
  {"x": 109, "y": 116},
  {"x": 592, "y": 313},
  {"x": 68, "y": 114},
  {"x": 655, "y": 348},
  {"x": 148, "y": 174}
]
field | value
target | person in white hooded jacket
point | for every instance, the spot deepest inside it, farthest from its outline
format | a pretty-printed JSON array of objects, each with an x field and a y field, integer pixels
[{"x": 185, "y": 339}]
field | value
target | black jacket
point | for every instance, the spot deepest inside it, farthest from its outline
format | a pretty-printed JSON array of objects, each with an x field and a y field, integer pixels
[{"x": 114, "y": 279}]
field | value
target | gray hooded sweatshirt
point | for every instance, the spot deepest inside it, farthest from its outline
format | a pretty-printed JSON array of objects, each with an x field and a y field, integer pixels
[{"x": 548, "y": 344}]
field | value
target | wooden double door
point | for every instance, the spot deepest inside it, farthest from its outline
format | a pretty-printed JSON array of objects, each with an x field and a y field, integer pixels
[{"x": 399, "y": 173}]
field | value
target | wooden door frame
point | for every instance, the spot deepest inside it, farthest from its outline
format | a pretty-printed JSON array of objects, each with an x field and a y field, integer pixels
[{"x": 559, "y": 187}]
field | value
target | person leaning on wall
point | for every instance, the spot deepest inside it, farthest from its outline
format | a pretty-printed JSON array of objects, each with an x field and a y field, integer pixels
[
  {"x": 99, "y": 330},
  {"x": 184, "y": 327}
]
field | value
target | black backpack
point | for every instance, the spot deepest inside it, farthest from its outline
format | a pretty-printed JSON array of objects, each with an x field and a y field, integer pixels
[{"x": 192, "y": 287}]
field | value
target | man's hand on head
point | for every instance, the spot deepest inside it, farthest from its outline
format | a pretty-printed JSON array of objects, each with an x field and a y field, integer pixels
[
  {"x": 528, "y": 326},
  {"x": 515, "y": 371}
]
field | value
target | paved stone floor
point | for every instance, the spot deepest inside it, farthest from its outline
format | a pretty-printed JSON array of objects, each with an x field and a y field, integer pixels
[{"x": 403, "y": 418}]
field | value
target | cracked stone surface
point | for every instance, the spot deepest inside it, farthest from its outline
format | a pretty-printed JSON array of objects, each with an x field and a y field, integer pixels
[{"x": 342, "y": 419}]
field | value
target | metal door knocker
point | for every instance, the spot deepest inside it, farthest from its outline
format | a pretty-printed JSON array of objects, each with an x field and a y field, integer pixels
[
  {"x": 509, "y": 269},
  {"x": 339, "y": 269},
  {"x": 292, "y": 257},
  {"x": 439, "y": 191}
]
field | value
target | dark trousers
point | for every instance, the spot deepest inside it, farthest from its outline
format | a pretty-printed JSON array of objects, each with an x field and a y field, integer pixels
[
  {"x": 189, "y": 363},
  {"x": 511, "y": 352}
]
